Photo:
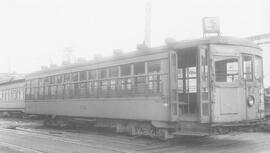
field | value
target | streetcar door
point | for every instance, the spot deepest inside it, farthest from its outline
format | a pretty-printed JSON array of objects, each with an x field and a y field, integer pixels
[
  {"x": 187, "y": 84},
  {"x": 252, "y": 86},
  {"x": 227, "y": 106},
  {"x": 204, "y": 84}
]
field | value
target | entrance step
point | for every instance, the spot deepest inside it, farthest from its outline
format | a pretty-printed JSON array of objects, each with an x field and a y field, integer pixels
[
  {"x": 190, "y": 133},
  {"x": 193, "y": 127}
]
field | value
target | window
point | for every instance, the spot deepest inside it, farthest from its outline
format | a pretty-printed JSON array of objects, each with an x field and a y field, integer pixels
[
  {"x": 102, "y": 73},
  {"x": 258, "y": 67},
  {"x": 204, "y": 67},
  {"x": 22, "y": 94},
  {"x": 32, "y": 94},
  {"x": 139, "y": 68},
  {"x": 59, "y": 79},
  {"x": 104, "y": 85},
  {"x": 60, "y": 90},
  {"x": 92, "y": 75},
  {"x": 125, "y": 70},
  {"x": 74, "y": 76},
  {"x": 28, "y": 84},
  {"x": 46, "y": 81},
  {"x": 226, "y": 69},
  {"x": 93, "y": 86},
  {"x": 74, "y": 87},
  {"x": 113, "y": 72},
  {"x": 67, "y": 92},
  {"x": 34, "y": 82},
  {"x": 53, "y": 79},
  {"x": 83, "y": 75},
  {"x": 27, "y": 94},
  {"x": 113, "y": 84},
  {"x": 154, "y": 66},
  {"x": 247, "y": 68},
  {"x": 83, "y": 89},
  {"x": 41, "y": 82},
  {"x": 180, "y": 80},
  {"x": 67, "y": 77},
  {"x": 46, "y": 92},
  {"x": 40, "y": 92}
]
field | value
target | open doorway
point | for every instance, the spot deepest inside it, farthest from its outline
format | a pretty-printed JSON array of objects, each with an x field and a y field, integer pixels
[{"x": 187, "y": 80}]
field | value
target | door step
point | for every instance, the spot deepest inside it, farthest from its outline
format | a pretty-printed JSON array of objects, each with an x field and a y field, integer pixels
[{"x": 190, "y": 133}]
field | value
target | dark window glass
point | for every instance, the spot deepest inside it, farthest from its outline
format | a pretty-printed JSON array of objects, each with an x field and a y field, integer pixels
[
  {"x": 28, "y": 83},
  {"x": 46, "y": 81},
  {"x": 226, "y": 70},
  {"x": 248, "y": 68},
  {"x": 92, "y": 75},
  {"x": 41, "y": 82},
  {"x": 27, "y": 94},
  {"x": 60, "y": 91},
  {"x": 52, "y": 79},
  {"x": 258, "y": 67},
  {"x": 74, "y": 76},
  {"x": 154, "y": 66},
  {"x": 83, "y": 75},
  {"x": 1, "y": 97},
  {"x": 103, "y": 73},
  {"x": 34, "y": 82},
  {"x": 83, "y": 89},
  {"x": 53, "y": 91},
  {"x": 40, "y": 93},
  {"x": 113, "y": 72},
  {"x": 67, "y": 77},
  {"x": 125, "y": 70},
  {"x": 59, "y": 78},
  {"x": 139, "y": 68}
]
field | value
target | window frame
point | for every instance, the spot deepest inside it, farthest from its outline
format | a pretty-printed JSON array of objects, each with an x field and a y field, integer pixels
[
  {"x": 252, "y": 68},
  {"x": 220, "y": 58},
  {"x": 255, "y": 68}
]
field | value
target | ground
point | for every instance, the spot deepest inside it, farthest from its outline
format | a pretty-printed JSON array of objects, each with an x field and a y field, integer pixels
[{"x": 28, "y": 136}]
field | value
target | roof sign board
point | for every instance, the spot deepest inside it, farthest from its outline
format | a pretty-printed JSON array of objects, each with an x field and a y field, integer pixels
[{"x": 211, "y": 25}]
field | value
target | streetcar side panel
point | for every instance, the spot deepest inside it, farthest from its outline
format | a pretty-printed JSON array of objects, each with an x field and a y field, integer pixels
[{"x": 135, "y": 96}]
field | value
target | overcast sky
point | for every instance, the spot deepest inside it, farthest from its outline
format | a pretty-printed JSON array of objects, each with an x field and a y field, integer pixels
[{"x": 35, "y": 32}]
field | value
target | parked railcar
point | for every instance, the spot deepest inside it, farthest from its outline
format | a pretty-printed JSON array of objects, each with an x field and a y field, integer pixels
[
  {"x": 183, "y": 88},
  {"x": 12, "y": 96}
]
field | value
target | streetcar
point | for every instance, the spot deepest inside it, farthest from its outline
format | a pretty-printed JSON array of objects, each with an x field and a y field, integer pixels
[
  {"x": 194, "y": 87},
  {"x": 12, "y": 96}
]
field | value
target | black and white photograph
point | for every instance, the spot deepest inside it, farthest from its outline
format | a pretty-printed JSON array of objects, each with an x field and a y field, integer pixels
[{"x": 134, "y": 76}]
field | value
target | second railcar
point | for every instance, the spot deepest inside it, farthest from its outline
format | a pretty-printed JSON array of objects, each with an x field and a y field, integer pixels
[{"x": 12, "y": 96}]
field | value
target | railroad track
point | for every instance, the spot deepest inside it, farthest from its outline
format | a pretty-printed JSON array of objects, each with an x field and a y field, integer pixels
[
  {"x": 92, "y": 145},
  {"x": 20, "y": 148}
]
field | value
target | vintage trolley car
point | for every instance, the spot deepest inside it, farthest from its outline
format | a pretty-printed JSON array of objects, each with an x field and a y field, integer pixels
[
  {"x": 12, "y": 96},
  {"x": 182, "y": 88}
]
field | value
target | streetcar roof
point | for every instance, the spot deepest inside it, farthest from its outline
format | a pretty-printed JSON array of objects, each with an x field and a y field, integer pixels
[
  {"x": 216, "y": 40},
  {"x": 165, "y": 48},
  {"x": 11, "y": 81}
]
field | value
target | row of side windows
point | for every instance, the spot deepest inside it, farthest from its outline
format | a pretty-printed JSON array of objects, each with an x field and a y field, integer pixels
[
  {"x": 14, "y": 94},
  {"x": 112, "y": 81},
  {"x": 111, "y": 72}
]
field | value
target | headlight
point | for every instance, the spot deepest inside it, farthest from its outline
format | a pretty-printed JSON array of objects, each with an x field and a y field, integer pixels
[{"x": 250, "y": 100}]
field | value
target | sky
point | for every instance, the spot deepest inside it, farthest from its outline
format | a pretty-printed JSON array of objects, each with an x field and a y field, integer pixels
[{"x": 35, "y": 33}]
